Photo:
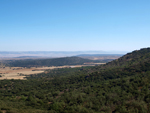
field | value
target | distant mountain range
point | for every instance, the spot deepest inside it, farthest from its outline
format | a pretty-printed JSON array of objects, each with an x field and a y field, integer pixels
[
  {"x": 20, "y": 54},
  {"x": 96, "y": 55}
]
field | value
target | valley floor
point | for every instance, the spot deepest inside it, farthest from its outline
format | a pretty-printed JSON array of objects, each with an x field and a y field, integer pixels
[{"x": 22, "y": 72}]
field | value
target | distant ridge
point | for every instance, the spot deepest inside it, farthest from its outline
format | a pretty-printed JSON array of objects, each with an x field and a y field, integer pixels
[
  {"x": 100, "y": 55},
  {"x": 9, "y": 54},
  {"x": 28, "y": 57},
  {"x": 49, "y": 62}
]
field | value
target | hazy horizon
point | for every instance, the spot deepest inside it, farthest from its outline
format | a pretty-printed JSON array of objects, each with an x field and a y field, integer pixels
[{"x": 9, "y": 54}]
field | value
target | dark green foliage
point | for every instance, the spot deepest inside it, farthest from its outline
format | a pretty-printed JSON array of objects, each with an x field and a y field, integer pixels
[
  {"x": 49, "y": 62},
  {"x": 121, "y": 86}
]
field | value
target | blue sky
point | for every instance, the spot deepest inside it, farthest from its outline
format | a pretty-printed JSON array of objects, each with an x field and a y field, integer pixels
[{"x": 74, "y": 25}]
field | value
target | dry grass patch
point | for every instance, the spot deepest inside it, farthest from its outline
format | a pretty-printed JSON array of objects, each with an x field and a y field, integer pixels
[{"x": 21, "y": 72}]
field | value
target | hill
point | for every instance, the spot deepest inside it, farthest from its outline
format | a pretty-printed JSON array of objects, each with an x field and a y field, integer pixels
[
  {"x": 130, "y": 64},
  {"x": 135, "y": 57},
  {"x": 120, "y": 86},
  {"x": 48, "y": 62}
]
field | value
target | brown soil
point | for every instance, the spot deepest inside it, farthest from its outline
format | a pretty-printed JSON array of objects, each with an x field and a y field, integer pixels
[{"x": 21, "y": 72}]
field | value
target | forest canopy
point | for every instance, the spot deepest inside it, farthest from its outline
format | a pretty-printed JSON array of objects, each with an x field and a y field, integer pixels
[{"x": 120, "y": 86}]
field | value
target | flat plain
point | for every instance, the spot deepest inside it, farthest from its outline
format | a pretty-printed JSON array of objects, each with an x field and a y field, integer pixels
[{"x": 22, "y": 72}]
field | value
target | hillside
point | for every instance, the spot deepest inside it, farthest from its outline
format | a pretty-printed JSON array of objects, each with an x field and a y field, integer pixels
[
  {"x": 120, "y": 86},
  {"x": 135, "y": 57},
  {"x": 130, "y": 64},
  {"x": 48, "y": 62}
]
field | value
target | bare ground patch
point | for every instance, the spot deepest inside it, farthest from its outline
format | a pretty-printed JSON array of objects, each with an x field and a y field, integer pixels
[{"x": 21, "y": 72}]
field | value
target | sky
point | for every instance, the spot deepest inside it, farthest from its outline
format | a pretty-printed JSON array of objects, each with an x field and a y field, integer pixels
[{"x": 74, "y": 25}]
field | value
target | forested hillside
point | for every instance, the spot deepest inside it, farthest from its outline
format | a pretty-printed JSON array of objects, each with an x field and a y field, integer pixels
[
  {"x": 49, "y": 62},
  {"x": 120, "y": 86},
  {"x": 135, "y": 57}
]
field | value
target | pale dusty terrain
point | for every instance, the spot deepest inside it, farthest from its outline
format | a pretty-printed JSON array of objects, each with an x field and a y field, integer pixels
[
  {"x": 20, "y": 72},
  {"x": 101, "y": 57}
]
